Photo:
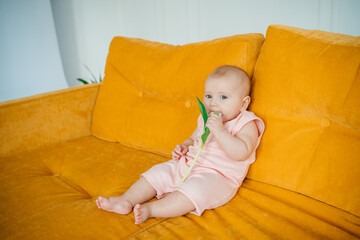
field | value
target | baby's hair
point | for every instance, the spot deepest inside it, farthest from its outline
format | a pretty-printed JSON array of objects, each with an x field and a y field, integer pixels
[{"x": 232, "y": 70}]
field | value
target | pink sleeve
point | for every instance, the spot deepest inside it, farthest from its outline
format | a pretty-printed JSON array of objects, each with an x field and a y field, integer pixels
[{"x": 246, "y": 118}]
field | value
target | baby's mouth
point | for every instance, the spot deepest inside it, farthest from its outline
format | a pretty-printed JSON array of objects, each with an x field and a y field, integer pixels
[{"x": 217, "y": 113}]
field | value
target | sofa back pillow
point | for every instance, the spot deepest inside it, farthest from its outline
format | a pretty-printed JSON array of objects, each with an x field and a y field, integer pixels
[
  {"x": 307, "y": 89},
  {"x": 148, "y": 97}
]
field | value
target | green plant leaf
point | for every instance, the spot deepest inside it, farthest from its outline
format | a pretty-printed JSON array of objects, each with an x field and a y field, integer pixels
[
  {"x": 205, "y": 116},
  {"x": 82, "y": 80},
  {"x": 93, "y": 76},
  {"x": 93, "y": 80},
  {"x": 204, "y": 136},
  {"x": 202, "y": 110}
]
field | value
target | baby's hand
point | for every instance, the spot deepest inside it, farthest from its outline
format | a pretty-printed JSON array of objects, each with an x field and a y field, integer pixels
[
  {"x": 179, "y": 151},
  {"x": 215, "y": 124}
]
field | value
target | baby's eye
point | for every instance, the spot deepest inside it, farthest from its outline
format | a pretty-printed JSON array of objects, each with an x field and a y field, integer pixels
[
  {"x": 223, "y": 97},
  {"x": 208, "y": 96}
]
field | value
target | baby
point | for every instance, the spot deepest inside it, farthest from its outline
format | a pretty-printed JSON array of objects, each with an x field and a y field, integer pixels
[{"x": 221, "y": 166}]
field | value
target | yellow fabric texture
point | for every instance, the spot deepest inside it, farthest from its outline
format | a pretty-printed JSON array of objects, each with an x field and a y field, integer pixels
[
  {"x": 148, "y": 97},
  {"x": 50, "y": 118},
  {"x": 52, "y": 169},
  {"x": 50, "y": 192},
  {"x": 307, "y": 90}
]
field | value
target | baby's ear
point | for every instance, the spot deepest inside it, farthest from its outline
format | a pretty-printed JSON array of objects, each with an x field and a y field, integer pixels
[{"x": 246, "y": 102}]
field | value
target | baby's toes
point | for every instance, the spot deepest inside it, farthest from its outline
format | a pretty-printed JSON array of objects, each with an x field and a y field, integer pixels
[
  {"x": 98, "y": 202},
  {"x": 137, "y": 212},
  {"x": 101, "y": 201},
  {"x": 137, "y": 209}
]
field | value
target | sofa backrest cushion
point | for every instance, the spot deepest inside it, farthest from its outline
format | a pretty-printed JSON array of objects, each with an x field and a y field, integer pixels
[
  {"x": 148, "y": 97},
  {"x": 307, "y": 90}
]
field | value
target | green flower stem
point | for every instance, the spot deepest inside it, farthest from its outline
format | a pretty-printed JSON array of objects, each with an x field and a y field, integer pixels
[
  {"x": 192, "y": 164},
  {"x": 204, "y": 137}
]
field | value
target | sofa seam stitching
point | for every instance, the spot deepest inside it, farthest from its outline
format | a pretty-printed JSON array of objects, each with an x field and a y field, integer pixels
[{"x": 147, "y": 228}]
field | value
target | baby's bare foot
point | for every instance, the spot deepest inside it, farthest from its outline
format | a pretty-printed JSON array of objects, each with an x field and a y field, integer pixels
[
  {"x": 141, "y": 213},
  {"x": 118, "y": 204}
]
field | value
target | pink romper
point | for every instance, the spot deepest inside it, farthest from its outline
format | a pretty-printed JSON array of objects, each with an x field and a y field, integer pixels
[{"x": 215, "y": 177}]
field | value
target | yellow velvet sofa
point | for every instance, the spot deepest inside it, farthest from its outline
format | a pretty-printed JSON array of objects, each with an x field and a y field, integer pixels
[{"x": 60, "y": 150}]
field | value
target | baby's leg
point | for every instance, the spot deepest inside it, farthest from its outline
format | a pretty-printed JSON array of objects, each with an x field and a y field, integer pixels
[
  {"x": 173, "y": 205},
  {"x": 139, "y": 192}
]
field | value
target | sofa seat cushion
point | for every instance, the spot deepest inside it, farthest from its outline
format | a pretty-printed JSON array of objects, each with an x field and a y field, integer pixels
[
  {"x": 148, "y": 97},
  {"x": 261, "y": 211},
  {"x": 49, "y": 193}
]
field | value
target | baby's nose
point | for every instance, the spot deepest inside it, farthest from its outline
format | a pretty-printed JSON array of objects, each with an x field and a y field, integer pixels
[{"x": 213, "y": 102}]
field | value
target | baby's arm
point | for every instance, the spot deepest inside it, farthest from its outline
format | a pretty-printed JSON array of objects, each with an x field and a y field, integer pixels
[
  {"x": 181, "y": 149},
  {"x": 238, "y": 147}
]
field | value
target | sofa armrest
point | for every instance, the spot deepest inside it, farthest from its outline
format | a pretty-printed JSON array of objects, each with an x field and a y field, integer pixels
[{"x": 35, "y": 121}]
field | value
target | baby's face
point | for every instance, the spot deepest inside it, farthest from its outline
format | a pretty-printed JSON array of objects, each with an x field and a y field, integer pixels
[{"x": 226, "y": 95}]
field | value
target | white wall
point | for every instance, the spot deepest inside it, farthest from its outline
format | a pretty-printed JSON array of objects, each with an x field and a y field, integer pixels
[
  {"x": 86, "y": 27},
  {"x": 30, "y": 60}
]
